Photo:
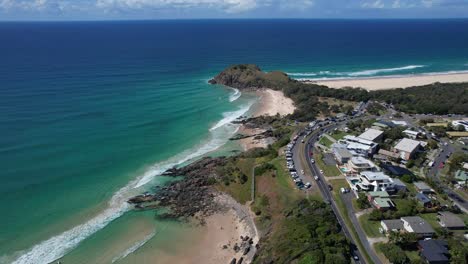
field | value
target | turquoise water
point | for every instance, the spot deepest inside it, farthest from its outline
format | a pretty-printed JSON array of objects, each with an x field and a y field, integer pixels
[{"x": 91, "y": 113}]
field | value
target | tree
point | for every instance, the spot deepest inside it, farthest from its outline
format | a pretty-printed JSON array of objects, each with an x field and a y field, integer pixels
[
  {"x": 362, "y": 201},
  {"x": 376, "y": 215},
  {"x": 407, "y": 178},
  {"x": 394, "y": 254},
  {"x": 410, "y": 164},
  {"x": 460, "y": 128}
]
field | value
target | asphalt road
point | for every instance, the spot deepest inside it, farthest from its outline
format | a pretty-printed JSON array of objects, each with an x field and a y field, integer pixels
[{"x": 304, "y": 151}]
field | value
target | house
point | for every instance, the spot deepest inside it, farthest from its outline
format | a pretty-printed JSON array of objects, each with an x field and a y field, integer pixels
[
  {"x": 399, "y": 185},
  {"x": 411, "y": 134},
  {"x": 341, "y": 153},
  {"x": 406, "y": 148},
  {"x": 372, "y": 135},
  {"x": 359, "y": 146},
  {"x": 380, "y": 200},
  {"x": 450, "y": 220},
  {"x": 417, "y": 225},
  {"x": 422, "y": 187},
  {"x": 371, "y": 181},
  {"x": 463, "y": 123},
  {"x": 389, "y": 154},
  {"x": 383, "y": 124},
  {"x": 434, "y": 251},
  {"x": 358, "y": 164},
  {"x": 393, "y": 225},
  {"x": 423, "y": 200},
  {"x": 395, "y": 170},
  {"x": 400, "y": 123},
  {"x": 461, "y": 176}
]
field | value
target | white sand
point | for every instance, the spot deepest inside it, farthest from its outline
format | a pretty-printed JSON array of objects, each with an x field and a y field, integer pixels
[
  {"x": 394, "y": 82},
  {"x": 273, "y": 102}
]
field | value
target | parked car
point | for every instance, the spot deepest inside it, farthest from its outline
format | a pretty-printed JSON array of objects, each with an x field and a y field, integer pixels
[
  {"x": 316, "y": 178},
  {"x": 308, "y": 185}
]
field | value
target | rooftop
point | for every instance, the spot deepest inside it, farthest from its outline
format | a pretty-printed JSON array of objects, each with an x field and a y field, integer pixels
[
  {"x": 371, "y": 134},
  {"x": 393, "y": 224},
  {"x": 362, "y": 161},
  {"x": 388, "y": 153},
  {"x": 407, "y": 131},
  {"x": 419, "y": 225},
  {"x": 449, "y": 219},
  {"x": 422, "y": 186},
  {"x": 359, "y": 140},
  {"x": 434, "y": 250},
  {"x": 407, "y": 145},
  {"x": 384, "y": 202},
  {"x": 344, "y": 153},
  {"x": 423, "y": 198},
  {"x": 461, "y": 175},
  {"x": 379, "y": 194},
  {"x": 375, "y": 176}
]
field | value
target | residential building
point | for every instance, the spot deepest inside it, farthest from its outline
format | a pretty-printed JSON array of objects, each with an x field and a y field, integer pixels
[
  {"x": 400, "y": 123},
  {"x": 393, "y": 225},
  {"x": 422, "y": 187},
  {"x": 434, "y": 251},
  {"x": 411, "y": 134},
  {"x": 341, "y": 153},
  {"x": 395, "y": 170},
  {"x": 380, "y": 200},
  {"x": 423, "y": 200},
  {"x": 406, "y": 148},
  {"x": 461, "y": 176},
  {"x": 371, "y": 181},
  {"x": 450, "y": 220},
  {"x": 399, "y": 185},
  {"x": 417, "y": 225},
  {"x": 358, "y": 164},
  {"x": 389, "y": 154},
  {"x": 359, "y": 146},
  {"x": 372, "y": 135},
  {"x": 463, "y": 123}
]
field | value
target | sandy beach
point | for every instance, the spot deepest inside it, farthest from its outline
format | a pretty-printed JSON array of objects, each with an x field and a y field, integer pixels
[
  {"x": 214, "y": 242},
  {"x": 383, "y": 83},
  {"x": 270, "y": 103}
]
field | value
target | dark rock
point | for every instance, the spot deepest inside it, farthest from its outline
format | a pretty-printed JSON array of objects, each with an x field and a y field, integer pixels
[
  {"x": 233, "y": 261},
  {"x": 240, "y": 260},
  {"x": 246, "y": 250}
]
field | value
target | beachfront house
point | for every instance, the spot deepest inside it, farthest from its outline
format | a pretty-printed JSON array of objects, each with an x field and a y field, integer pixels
[
  {"x": 341, "y": 153},
  {"x": 417, "y": 225},
  {"x": 407, "y": 148},
  {"x": 371, "y": 181},
  {"x": 358, "y": 164},
  {"x": 358, "y": 146},
  {"x": 372, "y": 135}
]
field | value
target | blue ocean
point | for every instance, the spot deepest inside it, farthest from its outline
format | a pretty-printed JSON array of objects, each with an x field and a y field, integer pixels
[{"x": 92, "y": 112}]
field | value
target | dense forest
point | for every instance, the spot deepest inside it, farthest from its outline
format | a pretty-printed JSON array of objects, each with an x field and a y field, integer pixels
[{"x": 437, "y": 98}]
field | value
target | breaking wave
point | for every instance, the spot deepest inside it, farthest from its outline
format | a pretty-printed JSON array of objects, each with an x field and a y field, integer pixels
[
  {"x": 134, "y": 248},
  {"x": 372, "y": 72},
  {"x": 236, "y": 95}
]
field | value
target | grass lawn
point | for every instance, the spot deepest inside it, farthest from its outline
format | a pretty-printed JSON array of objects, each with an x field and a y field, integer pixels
[
  {"x": 370, "y": 227},
  {"x": 338, "y": 134},
  {"x": 327, "y": 169},
  {"x": 240, "y": 192},
  {"x": 431, "y": 219},
  {"x": 326, "y": 142}
]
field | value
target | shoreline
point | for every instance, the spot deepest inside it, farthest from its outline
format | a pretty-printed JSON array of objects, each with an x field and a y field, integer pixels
[
  {"x": 270, "y": 102},
  {"x": 392, "y": 82}
]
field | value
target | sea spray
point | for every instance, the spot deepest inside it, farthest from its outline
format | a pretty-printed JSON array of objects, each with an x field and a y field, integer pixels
[{"x": 236, "y": 95}]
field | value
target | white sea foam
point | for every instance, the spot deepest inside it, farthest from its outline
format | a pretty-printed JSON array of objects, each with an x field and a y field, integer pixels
[
  {"x": 236, "y": 95},
  {"x": 377, "y": 71},
  {"x": 231, "y": 116},
  {"x": 134, "y": 248},
  {"x": 372, "y": 72},
  {"x": 56, "y": 247}
]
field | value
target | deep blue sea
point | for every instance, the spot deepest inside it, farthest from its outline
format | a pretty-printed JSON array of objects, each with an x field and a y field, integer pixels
[{"x": 92, "y": 112}]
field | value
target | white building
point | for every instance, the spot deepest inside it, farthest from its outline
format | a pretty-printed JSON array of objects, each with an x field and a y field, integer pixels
[
  {"x": 411, "y": 134},
  {"x": 406, "y": 148},
  {"x": 372, "y": 135},
  {"x": 371, "y": 181},
  {"x": 359, "y": 146},
  {"x": 463, "y": 123},
  {"x": 415, "y": 224},
  {"x": 358, "y": 164}
]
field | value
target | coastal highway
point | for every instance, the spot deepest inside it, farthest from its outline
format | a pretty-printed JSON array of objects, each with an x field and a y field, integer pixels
[{"x": 301, "y": 156}]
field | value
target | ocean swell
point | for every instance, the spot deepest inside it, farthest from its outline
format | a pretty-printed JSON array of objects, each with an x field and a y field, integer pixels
[
  {"x": 134, "y": 248},
  {"x": 56, "y": 247}
]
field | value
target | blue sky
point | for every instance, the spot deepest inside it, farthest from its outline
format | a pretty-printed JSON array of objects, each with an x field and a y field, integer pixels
[{"x": 177, "y": 9}]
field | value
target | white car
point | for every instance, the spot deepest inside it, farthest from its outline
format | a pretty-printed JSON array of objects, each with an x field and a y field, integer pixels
[
  {"x": 302, "y": 172},
  {"x": 321, "y": 171},
  {"x": 308, "y": 185},
  {"x": 316, "y": 178}
]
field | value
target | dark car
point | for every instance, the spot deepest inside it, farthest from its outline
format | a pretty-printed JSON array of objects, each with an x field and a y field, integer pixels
[{"x": 330, "y": 187}]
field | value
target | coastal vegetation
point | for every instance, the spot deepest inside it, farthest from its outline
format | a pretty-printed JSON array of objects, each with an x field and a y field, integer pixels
[{"x": 437, "y": 98}]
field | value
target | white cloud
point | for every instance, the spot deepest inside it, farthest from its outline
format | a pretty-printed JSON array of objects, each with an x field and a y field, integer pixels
[
  {"x": 377, "y": 4},
  {"x": 230, "y": 6},
  {"x": 297, "y": 5},
  {"x": 427, "y": 3}
]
